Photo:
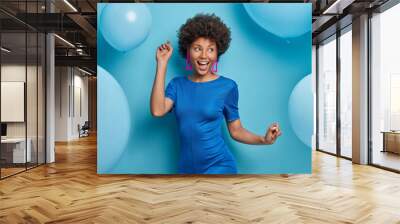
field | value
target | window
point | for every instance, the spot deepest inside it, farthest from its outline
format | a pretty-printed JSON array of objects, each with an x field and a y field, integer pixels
[
  {"x": 327, "y": 95},
  {"x": 346, "y": 92},
  {"x": 385, "y": 88}
]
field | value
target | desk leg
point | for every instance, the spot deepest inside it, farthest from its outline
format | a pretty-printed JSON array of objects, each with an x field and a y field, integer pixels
[{"x": 384, "y": 142}]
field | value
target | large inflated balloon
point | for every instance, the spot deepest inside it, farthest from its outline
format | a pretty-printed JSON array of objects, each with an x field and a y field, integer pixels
[
  {"x": 100, "y": 7},
  {"x": 125, "y": 26},
  {"x": 283, "y": 20},
  {"x": 113, "y": 134},
  {"x": 301, "y": 110}
]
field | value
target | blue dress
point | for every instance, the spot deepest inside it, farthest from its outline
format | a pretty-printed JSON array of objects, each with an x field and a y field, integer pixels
[{"x": 200, "y": 108}]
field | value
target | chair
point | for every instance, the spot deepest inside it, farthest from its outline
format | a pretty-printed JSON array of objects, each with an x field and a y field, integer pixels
[{"x": 84, "y": 130}]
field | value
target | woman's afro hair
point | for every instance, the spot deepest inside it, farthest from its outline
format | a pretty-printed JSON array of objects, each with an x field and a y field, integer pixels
[{"x": 207, "y": 26}]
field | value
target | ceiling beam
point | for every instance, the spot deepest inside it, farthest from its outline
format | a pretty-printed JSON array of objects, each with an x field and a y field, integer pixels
[{"x": 85, "y": 61}]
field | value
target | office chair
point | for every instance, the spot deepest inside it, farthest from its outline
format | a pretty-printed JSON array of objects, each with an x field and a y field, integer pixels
[{"x": 84, "y": 130}]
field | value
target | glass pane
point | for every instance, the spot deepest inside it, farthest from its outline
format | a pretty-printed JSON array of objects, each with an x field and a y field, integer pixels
[
  {"x": 31, "y": 101},
  {"x": 346, "y": 93},
  {"x": 22, "y": 88},
  {"x": 313, "y": 75},
  {"x": 41, "y": 98},
  {"x": 327, "y": 96},
  {"x": 386, "y": 89},
  {"x": 13, "y": 88}
]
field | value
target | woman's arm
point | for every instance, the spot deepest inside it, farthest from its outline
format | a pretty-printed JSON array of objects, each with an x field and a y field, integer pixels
[
  {"x": 159, "y": 104},
  {"x": 240, "y": 134}
]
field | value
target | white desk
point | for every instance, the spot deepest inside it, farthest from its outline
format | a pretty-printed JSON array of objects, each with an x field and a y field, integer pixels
[{"x": 19, "y": 149}]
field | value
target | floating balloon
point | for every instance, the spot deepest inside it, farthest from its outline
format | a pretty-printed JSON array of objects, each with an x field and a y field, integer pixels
[
  {"x": 283, "y": 20},
  {"x": 125, "y": 26},
  {"x": 301, "y": 110},
  {"x": 100, "y": 7},
  {"x": 113, "y": 134}
]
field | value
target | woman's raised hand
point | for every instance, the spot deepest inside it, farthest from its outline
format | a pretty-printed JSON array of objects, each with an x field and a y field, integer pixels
[
  {"x": 164, "y": 52},
  {"x": 272, "y": 134}
]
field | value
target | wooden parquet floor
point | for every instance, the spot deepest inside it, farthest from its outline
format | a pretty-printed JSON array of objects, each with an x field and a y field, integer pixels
[{"x": 70, "y": 191}]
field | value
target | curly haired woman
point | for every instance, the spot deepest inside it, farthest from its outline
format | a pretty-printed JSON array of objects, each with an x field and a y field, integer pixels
[{"x": 203, "y": 99}]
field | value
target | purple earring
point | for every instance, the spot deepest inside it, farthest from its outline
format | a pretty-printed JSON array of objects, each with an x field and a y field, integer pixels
[
  {"x": 215, "y": 67},
  {"x": 188, "y": 65}
]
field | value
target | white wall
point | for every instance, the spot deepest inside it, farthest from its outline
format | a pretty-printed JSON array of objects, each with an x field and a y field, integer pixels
[
  {"x": 81, "y": 84},
  {"x": 62, "y": 81},
  {"x": 71, "y": 94},
  {"x": 15, "y": 72}
]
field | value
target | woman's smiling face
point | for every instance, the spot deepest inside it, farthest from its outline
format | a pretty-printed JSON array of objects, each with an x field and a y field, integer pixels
[{"x": 203, "y": 54}]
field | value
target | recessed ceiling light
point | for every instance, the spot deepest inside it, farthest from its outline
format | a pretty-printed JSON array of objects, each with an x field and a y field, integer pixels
[
  {"x": 70, "y": 5},
  {"x": 337, "y": 7},
  {"x": 5, "y": 50},
  {"x": 84, "y": 71},
  {"x": 64, "y": 40}
]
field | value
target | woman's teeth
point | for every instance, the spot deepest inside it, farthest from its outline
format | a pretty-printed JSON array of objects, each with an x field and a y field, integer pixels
[
  {"x": 203, "y": 65},
  {"x": 202, "y": 62}
]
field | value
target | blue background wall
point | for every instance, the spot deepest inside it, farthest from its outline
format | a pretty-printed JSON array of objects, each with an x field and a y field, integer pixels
[{"x": 266, "y": 66}]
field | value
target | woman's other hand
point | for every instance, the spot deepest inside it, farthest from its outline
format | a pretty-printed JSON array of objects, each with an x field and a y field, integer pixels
[
  {"x": 272, "y": 134},
  {"x": 164, "y": 52}
]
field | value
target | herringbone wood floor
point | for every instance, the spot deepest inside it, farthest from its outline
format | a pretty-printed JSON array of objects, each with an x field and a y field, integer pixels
[{"x": 70, "y": 191}]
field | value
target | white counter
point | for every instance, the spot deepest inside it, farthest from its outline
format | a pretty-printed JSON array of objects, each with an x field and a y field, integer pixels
[{"x": 19, "y": 149}]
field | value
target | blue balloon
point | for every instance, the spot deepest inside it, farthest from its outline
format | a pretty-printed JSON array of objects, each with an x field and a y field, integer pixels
[
  {"x": 100, "y": 7},
  {"x": 283, "y": 20},
  {"x": 301, "y": 110},
  {"x": 125, "y": 26},
  {"x": 113, "y": 134}
]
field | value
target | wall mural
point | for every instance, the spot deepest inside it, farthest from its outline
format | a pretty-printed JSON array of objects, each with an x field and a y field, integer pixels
[{"x": 233, "y": 71}]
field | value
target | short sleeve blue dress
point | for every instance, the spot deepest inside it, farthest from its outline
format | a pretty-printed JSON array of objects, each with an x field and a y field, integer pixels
[{"x": 200, "y": 108}]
